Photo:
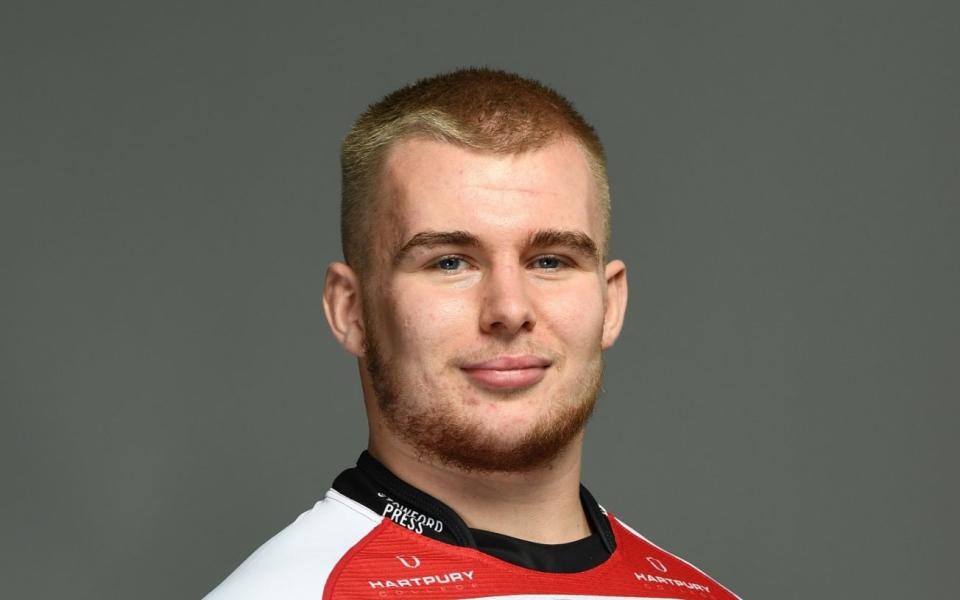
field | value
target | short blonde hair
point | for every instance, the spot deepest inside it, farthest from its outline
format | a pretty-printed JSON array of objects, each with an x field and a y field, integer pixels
[{"x": 478, "y": 108}]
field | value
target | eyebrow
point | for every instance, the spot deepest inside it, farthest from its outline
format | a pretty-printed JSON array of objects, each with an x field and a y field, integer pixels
[
  {"x": 577, "y": 241},
  {"x": 431, "y": 239}
]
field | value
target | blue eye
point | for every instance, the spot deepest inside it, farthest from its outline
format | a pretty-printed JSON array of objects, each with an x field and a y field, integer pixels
[
  {"x": 548, "y": 262},
  {"x": 449, "y": 263}
]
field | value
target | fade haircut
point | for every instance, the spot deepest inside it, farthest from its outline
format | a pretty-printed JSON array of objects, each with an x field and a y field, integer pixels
[{"x": 476, "y": 108}]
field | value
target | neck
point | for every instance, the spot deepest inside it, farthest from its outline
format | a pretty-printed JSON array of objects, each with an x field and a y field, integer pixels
[{"x": 541, "y": 505}]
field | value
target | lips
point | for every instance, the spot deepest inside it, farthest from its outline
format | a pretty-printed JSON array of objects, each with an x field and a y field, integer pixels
[{"x": 507, "y": 372}]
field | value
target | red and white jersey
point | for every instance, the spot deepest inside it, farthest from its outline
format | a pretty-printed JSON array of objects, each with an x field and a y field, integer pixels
[{"x": 343, "y": 549}]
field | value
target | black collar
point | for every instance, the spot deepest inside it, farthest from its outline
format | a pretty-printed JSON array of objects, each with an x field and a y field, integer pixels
[{"x": 374, "y": 486}]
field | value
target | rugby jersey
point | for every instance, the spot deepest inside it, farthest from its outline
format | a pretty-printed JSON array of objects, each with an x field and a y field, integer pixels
[{"x": 373, "y": 536}]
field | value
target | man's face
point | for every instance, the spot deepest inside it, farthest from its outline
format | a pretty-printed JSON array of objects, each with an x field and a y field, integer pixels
[{"x": 485, "y": 305}]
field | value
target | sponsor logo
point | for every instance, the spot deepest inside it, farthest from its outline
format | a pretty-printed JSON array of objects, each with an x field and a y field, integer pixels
[
  {"x": 405, "y": 516},
  {"x": 410, "y": 562},
  {"x": 646, "y": 578},
  {"x": 425, "y": 581},
  {"x": 656, "y": 564}
]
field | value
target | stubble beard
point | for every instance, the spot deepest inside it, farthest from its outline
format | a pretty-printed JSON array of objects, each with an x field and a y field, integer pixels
[{"x": 438, "y": 434}]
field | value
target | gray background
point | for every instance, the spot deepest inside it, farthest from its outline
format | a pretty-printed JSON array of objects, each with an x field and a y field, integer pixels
[{"x": 781, "y": 408}]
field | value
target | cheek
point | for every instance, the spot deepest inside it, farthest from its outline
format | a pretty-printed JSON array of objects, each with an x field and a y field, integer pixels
[
  {"x": 427, "y": 322},
  {"x": 577, "y": 318}
]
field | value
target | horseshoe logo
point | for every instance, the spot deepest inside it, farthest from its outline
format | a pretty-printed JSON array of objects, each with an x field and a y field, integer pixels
[
  {"x": 412, "y": 562},
  {"x": 656, "y": 564}
]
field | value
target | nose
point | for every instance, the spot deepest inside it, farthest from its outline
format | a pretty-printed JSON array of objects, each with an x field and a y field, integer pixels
[{"x": 507, "y": 308}]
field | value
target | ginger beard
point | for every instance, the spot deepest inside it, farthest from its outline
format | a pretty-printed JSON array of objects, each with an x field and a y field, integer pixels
[{"x": 437, "y": 432}]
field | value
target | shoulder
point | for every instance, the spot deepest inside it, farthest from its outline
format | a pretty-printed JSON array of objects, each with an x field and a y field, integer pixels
[
  {"x": 657, "y": 568},
  {"x": 294, "y": 564}
]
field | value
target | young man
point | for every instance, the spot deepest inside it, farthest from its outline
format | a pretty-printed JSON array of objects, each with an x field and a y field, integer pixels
[{"x": 477, "y": 297}]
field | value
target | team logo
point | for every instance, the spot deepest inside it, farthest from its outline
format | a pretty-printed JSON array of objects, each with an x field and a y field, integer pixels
[
  {"x": 410, "y": 562},
  {"x": 656, "y": 564}
]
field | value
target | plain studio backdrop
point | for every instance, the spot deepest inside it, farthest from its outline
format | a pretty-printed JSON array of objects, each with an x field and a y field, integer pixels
[{"x": 782, "y": 408}]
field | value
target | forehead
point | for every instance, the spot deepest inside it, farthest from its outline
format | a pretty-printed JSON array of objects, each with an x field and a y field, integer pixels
[{"x": 432, "y": 185}]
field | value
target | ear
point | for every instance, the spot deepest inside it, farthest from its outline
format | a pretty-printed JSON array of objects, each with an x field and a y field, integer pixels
[
  {"x": 343, "y": 307},
  {"x": 616, "y": 306}
]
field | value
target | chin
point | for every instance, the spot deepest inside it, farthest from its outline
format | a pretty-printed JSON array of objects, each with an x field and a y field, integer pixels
[{"x": 472, "y": 429}]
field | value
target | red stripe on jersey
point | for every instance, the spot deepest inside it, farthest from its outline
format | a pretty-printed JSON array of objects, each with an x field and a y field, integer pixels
[{"x": 394, "y": 562}]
